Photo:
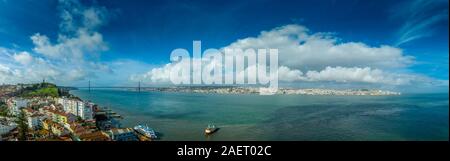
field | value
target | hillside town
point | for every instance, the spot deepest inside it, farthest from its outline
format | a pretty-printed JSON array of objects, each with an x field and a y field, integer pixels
[{"x": 44, "y": 112}]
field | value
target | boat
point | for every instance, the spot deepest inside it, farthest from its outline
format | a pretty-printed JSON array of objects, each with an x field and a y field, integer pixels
[
  {"x": 146, "y": 131},
  {"x": 211, "y": 129}
]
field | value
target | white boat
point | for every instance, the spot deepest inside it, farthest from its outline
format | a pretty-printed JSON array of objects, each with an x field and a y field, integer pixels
[{"x": 146, "y": 131}]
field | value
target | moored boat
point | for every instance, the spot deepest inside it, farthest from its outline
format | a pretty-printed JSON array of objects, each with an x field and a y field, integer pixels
[{"x": 146, "y": 131}]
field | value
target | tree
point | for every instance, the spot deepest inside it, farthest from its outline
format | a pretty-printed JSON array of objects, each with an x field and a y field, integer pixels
[
  {"x": 4, "y": 111},
  {"x": 22, "y": 124},
  {"x": 40, "y": 90},
  {"x": 79, "y": 119}
]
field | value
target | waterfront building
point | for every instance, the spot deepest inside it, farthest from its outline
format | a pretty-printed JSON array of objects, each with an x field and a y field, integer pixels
[
  {"x": 77, "y": 107},
  {"x": 77, "y": 129},
  {"x": 123, "y": 134},
  {"x": 80, "y": 109},
  {"x": 95, "y": 136},
  {"x": 88, "y": 113},
  {"x": 69, "y": 105}
]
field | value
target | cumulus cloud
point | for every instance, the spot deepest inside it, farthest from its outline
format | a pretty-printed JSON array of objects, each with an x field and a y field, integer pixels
[
  {"x": 70, "y": 48},
  {"x": 329, "y": 74},
  {"x": 289, "y": 75},
  {"x": 78, "y": 34},
  {"x": 73, "y": 56},
  {"x": 155, "y": 75},
  {"x": 365, "y": 75},
  {"x": 23, "y": 58},
  {"x": 340, "y": 74},
  {"x": 345, "y": 75},
  {"x": 298, "y": 48},
  {"x": 161, "y": 74},
  {"x": 319, "y": 57}
]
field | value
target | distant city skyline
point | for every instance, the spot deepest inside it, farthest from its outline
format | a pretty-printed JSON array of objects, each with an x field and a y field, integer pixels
[{"x": 396, "y": 45}]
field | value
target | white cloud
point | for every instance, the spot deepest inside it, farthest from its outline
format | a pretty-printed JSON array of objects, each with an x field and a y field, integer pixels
[
  {"x": 23, "y": 58},
  {"x": 159, "y": 74},
  {"x": 420, "y": 18},
  {"x": 359, "y": 75},
  {"x": 288, "y": 75},
  {"x": 5, "y": 74},
  {"x": 340, "y": 74},
  {"x": 346, "y": 75},
  {"x": 75, "y": 16},
  {"x": 78, "y": 38},
  {"x": 77, "y": 74},
  {"x": 321, "y": 58},
  {"x": 300, "y": 49},
  {"x": 72, "y": 57},
  {"x": 355, "y": 74},
  {"x": 73, "y": 48},
  {"x": 5, "y": 70},
  {"x": 156, "y": 75}
]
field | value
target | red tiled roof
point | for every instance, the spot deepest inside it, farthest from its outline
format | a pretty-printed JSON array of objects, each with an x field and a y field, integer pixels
[{"x": 95, "y": 136}]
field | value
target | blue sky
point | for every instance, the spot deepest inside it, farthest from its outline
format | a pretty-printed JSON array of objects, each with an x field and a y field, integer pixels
[{"x": 143, "y": 33}]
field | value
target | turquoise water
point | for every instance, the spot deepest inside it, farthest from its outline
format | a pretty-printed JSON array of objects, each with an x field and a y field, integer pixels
[{"x": 183, "y": 116}]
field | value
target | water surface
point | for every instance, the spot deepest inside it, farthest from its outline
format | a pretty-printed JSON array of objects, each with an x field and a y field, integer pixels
[{"x": 183, "y": 116}]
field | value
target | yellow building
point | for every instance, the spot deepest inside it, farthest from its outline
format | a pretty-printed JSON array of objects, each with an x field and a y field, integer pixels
[
  {"x": 55, "y": 128},
  {"x": 46, "y": 124},
  {"x": 58, "y": 116},
  {"x": 61, "y": 118}
]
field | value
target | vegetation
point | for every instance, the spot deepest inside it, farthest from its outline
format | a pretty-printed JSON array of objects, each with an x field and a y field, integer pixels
[
  {"x": 22, "y": 125},
  {"x": 41, "y": 90},
  {"x": 79, "y": 119},
  {"x": 3, "y": 109}
]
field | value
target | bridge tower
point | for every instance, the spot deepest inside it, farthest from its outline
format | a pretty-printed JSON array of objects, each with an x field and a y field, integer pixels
[{"x": 139, "y": 86}]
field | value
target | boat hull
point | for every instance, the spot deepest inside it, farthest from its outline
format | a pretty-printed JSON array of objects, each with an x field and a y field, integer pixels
[
  {"x": 209, "y": 131},
  {"x": 145, "y": 131}
]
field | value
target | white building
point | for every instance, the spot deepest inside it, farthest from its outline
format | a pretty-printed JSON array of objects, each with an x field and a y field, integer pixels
[
  {"x": 35, "y": 121},
  {"x": 77, "y": 108},
  {"x": 15, "y": 104},
  {"x": 69, "y": 105},
  {"x": 88, "y": 113}
]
